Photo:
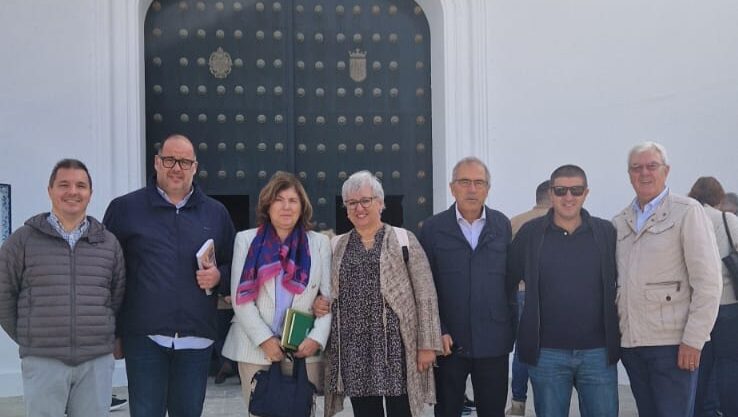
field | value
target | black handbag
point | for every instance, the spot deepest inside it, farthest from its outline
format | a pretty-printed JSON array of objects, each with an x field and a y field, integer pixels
[
  {"x": 731, "y": 261},
  {"x": 278, "y": 395}
]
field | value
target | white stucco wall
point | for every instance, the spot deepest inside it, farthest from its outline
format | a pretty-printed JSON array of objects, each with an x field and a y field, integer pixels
[
  {"x": 55, "y": 83},
  {"x": 576, "y": 82},
  {"x": 526, "y": 86}
]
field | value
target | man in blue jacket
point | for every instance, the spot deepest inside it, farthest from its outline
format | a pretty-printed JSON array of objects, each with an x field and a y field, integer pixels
[
  {"x": 568, "y": 333},
  {"x": 168, "y": 320},
  {"x": 467, "y": 249}
]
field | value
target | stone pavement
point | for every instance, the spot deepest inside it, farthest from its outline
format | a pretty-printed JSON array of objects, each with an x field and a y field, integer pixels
[{"x": 225, "y": 400}]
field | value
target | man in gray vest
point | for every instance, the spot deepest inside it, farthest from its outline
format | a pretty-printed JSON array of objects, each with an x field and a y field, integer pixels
[{"x": 62, "y": 278}]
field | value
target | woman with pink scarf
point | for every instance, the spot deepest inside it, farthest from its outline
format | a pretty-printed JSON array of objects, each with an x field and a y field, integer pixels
[{"x": 281, "y": 264}]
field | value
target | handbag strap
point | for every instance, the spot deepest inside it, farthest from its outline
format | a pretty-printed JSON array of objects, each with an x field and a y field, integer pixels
[
  {"x": 727, "y": 231},
  {"x": 299, "y": 369}
]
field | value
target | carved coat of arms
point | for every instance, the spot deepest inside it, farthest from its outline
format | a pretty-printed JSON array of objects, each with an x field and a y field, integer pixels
[
  {"x": 357, "y": 66},
  {"x": 220, "y": 63}
]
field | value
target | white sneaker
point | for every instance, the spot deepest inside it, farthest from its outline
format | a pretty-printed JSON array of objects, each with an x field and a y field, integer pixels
[{"x": 517, "y": 408}]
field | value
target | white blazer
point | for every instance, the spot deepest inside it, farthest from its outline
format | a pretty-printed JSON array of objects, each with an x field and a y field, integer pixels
[{"x": 250, "y": 324}]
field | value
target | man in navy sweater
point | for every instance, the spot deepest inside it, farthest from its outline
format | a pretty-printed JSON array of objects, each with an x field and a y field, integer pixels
[
  {"x": 168, "y": 320},
  {"x": 568, "y": 333}
]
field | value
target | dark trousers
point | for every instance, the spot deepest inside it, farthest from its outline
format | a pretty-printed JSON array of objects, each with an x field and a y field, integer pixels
[
  {"x": 659, "y": 387},
  {"x": 489, "y": 380},
  {"x": 164, "y": 380},
  {"x": 519, "y": 383},
  {"x": 397, "y": 406},
  {"x": 719, "y": 363},
  {"x": 707, "y": 401},
  {"x": 218, "y": 360}
]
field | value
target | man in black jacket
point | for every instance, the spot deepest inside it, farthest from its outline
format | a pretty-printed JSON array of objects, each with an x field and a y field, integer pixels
[
  {"x": 62, "y": 278},
  {"x": 466, "y": 246},
  {"x": 568, "y": 333},
  {"x": 168, "y": 319}
]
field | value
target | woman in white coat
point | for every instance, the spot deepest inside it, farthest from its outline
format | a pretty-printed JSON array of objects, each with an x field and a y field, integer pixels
[{"x": 279, "y": 265}]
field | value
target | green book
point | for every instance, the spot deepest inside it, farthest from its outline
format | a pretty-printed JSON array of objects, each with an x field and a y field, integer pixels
[{"x": 297, "y": 325}]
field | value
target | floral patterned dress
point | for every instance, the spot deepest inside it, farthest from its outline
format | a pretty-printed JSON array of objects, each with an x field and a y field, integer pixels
[{"x": 372, "y": 357}]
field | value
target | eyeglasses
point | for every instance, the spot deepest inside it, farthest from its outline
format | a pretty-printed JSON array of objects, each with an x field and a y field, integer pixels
[
  {"x": 576, "y": 191},
  {"x": 650, "y": 167},
  {"x": 466, "y": 183},
  {"x": 364, "y": 201},
  {"x": 170, "y": 161}
]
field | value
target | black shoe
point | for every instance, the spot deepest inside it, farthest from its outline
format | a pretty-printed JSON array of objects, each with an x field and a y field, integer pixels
[
  {"x": 469, "y": 403},
  {"x": 117, "y": 403},
  {"x": 224, "y": 374}
]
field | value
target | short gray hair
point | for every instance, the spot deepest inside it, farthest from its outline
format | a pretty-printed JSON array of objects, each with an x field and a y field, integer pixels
[
  {"x": 359, "y": 180},
  {"x": 649, "y": 146},
  {"x": 468, "y": 161}
]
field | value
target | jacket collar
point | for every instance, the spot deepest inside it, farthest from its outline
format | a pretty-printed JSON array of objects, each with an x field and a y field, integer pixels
[
  {"x": 548, "y": 218},
  {"x": 452, "y": 228},
  {"x": 156, "y": 199},
  {"x": 660, "y": 214},
  {"x": 95, "y": 232},
  {"x": 459, "y": 216}
]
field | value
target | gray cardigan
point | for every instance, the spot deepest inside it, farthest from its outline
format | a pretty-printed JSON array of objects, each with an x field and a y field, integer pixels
[{"x": 56, "y": 302}]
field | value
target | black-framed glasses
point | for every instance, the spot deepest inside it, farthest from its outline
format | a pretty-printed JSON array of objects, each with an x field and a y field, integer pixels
[
  {"x": 650, "y": 167},
  {"x": 576, "y": 191},
  {"x": 466, "y": 183},
  {"x": 170, "y": 161},
  {"x": 364, "y": 201}
]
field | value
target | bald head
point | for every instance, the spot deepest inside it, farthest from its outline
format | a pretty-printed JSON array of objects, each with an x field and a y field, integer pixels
[{"x": 175, "y": 167}]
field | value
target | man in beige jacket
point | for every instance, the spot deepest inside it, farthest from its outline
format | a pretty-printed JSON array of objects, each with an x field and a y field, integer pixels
[{"x": 669, "y": 287}]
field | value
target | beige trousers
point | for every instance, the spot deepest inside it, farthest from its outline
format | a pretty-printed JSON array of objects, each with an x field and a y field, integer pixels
[{"x": 248, "y": 370}]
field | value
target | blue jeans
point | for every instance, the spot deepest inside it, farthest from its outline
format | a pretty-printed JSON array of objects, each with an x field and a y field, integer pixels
[
  {"x": 164, "y": 380},
  {"x": 659, "y": 387},
  {"x": 559, "y": 370},
  {"x": 519, "y": 384},
  {"x": 719, "y": 363}
]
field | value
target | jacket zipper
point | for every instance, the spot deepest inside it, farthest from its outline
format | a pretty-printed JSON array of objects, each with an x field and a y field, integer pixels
[
  {"x": 605, "y": 286},
  {"x": 73, "y": 293},
  {"x": 538, "y": 292}
]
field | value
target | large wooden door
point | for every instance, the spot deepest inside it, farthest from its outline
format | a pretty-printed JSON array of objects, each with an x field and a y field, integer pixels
[{"x": 318, "y": 88}]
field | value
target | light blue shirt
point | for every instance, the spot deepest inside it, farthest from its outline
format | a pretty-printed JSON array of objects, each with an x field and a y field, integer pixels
[
  {"x": 176, "y": 342},
  {"x": 179, "y": 205},
  {"x": 73, "y": 236},
  {"x": 648, "y": 210},
  {"x": 472, "y": 230}
]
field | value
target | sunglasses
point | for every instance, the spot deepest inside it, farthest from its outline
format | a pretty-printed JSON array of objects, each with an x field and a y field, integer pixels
[{"x": 576, "y": 191}]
